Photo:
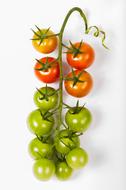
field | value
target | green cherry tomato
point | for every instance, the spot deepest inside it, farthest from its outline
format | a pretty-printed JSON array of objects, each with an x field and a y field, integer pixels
[
  {"x": 77, "y": 158},
  {"x": 63, "y": 171},
  {"x": 46, "y": 98},
  {"x": 38, "y": 149},
  {"x": 65, "y": 141},
  {"x": 38, "y": 125},
  {"x": 80, "y": 121},
  {"x": 43, "y": 169}
]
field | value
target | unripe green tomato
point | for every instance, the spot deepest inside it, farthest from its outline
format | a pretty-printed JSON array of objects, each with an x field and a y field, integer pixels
[
  {"x": 38, "y": 149},
  {"x": 78, "y": 122},
  {"x": 63, "y": 171},
  {"x": 50, "y": 102},
  {"x": 77, "y": 158},
  {"x": 64, "y": 143},
  {"x": 44, "y": 169},
  {"x": 38, "y": 125}
]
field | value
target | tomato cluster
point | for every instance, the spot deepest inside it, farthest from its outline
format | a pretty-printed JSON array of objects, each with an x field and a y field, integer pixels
[
  {"x": 58, "y": 151},
  {"x": 79, "y": 56}
]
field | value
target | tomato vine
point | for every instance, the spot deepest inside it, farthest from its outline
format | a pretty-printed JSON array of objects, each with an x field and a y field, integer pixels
[
  {"x": 64, "y": 144},
  {"x": 87, "y": 30}
]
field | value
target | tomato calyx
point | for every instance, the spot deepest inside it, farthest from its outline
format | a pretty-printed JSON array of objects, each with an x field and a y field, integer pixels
[
  {"x": 46, "y": 139},
  {"x": 46, "y": 95},
  {"x": 40, "y": 35},
  {"x": 75, "y": 78},
  {"x": 46, "y": 115},
  {"x": 66, "y": 140},
  {"x": 45, "y": 65},
  {"x": 76, "y": 109},
  {"x": 43, "y": 139},
  {"x": 71, "y": 134},
  {"x": 73, "y": 49},
  {"x": 59, "y": 157}
]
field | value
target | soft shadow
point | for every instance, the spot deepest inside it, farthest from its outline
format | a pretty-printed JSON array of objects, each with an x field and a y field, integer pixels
[
  {"x": 97, "y": 118},
  {"x": 98, "y": 156},
  {"x": 66, "y": 68},
  {"x": 76, "y": 174},
  {"x": 99, "y": 69}
]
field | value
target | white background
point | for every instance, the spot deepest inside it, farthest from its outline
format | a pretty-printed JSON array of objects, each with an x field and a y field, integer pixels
[{"x": 105, "y": 140}]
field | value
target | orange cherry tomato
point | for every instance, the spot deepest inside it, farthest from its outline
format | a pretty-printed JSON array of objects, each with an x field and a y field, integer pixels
[
  {"x": 42, "y": 42},
  {"x": 80, "y": 88},
  {"x": 47, "y": 69},
  {"x": 80, "y": 55}
]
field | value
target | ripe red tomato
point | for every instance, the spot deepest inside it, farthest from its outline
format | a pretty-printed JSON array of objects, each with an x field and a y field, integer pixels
[
  {"x": 80, "y": 55},
  {"x": 80, "y": 85},
  {"x": 47, "y": 69}
]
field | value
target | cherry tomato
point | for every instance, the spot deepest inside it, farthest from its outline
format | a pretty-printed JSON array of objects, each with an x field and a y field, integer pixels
[
  {"x": 44, "y": 169},
  {"x": 38, "y": 149},
  {"x": 47, "y": 69},
  {"x": 77, "y": 158},
  {"x": 38, "y": 124},
  {"x": 63, "y": 171},
  {"x": 80, "y": 121},
  {"x": 42, "y": 42},
  {"x": 79, "y": 86},
  {"x": 65, "y": 141},
  {"x": 81, "y": 56},
  {"x": 46, "y": 98}
]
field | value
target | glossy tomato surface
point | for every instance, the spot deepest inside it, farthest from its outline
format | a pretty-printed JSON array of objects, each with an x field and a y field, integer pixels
[
  {"x": 65, "y": 142},
  {"x": 80, "y": 89},
  {"x": 38, "y": 125},
  {"x": 47, "y": 45},
  {"x": 63, "y": 171},
  {"x": 83, "y": 59},
  {"x": 38, "y": 149},
  {"x": 77, "y": 158},
  {"x": 49, "y": 74},
  {"x": 78, "y": 122},
  {"x": 43, "y": 102},
  {"x": 43, "y": 169}
]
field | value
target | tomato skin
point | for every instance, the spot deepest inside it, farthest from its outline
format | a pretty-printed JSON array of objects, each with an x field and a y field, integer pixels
[
  {"x": 82, "y": 60},
  {"x": 51, "y": 74},
  {"x": 39, "y": 125},
  {"x": 63, "y": 171},
  {"x": 38, "y": 149},
  {"x": 80, "y": 89},
  {"x": 43, "y": 169},
  {"x": 63, "y": 142},
  {"x": 48, "y": 45},
  {"x": 43, "y": 103},
  {"x": 78, "y": 122},
  {"x": 77, "y": 158}
]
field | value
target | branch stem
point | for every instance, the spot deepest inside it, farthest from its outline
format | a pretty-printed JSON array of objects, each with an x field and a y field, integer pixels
[{"x": 60, "y": 58}]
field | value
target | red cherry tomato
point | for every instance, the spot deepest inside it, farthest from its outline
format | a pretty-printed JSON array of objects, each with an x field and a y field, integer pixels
[
  {"x": 82, "y": 87},
  {"x": 83, "y": 59},
  {"x": 47, "y": 69}
]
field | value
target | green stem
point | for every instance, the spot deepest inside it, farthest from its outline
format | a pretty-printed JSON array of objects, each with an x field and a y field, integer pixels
[{"x": 60, "y": 58}]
